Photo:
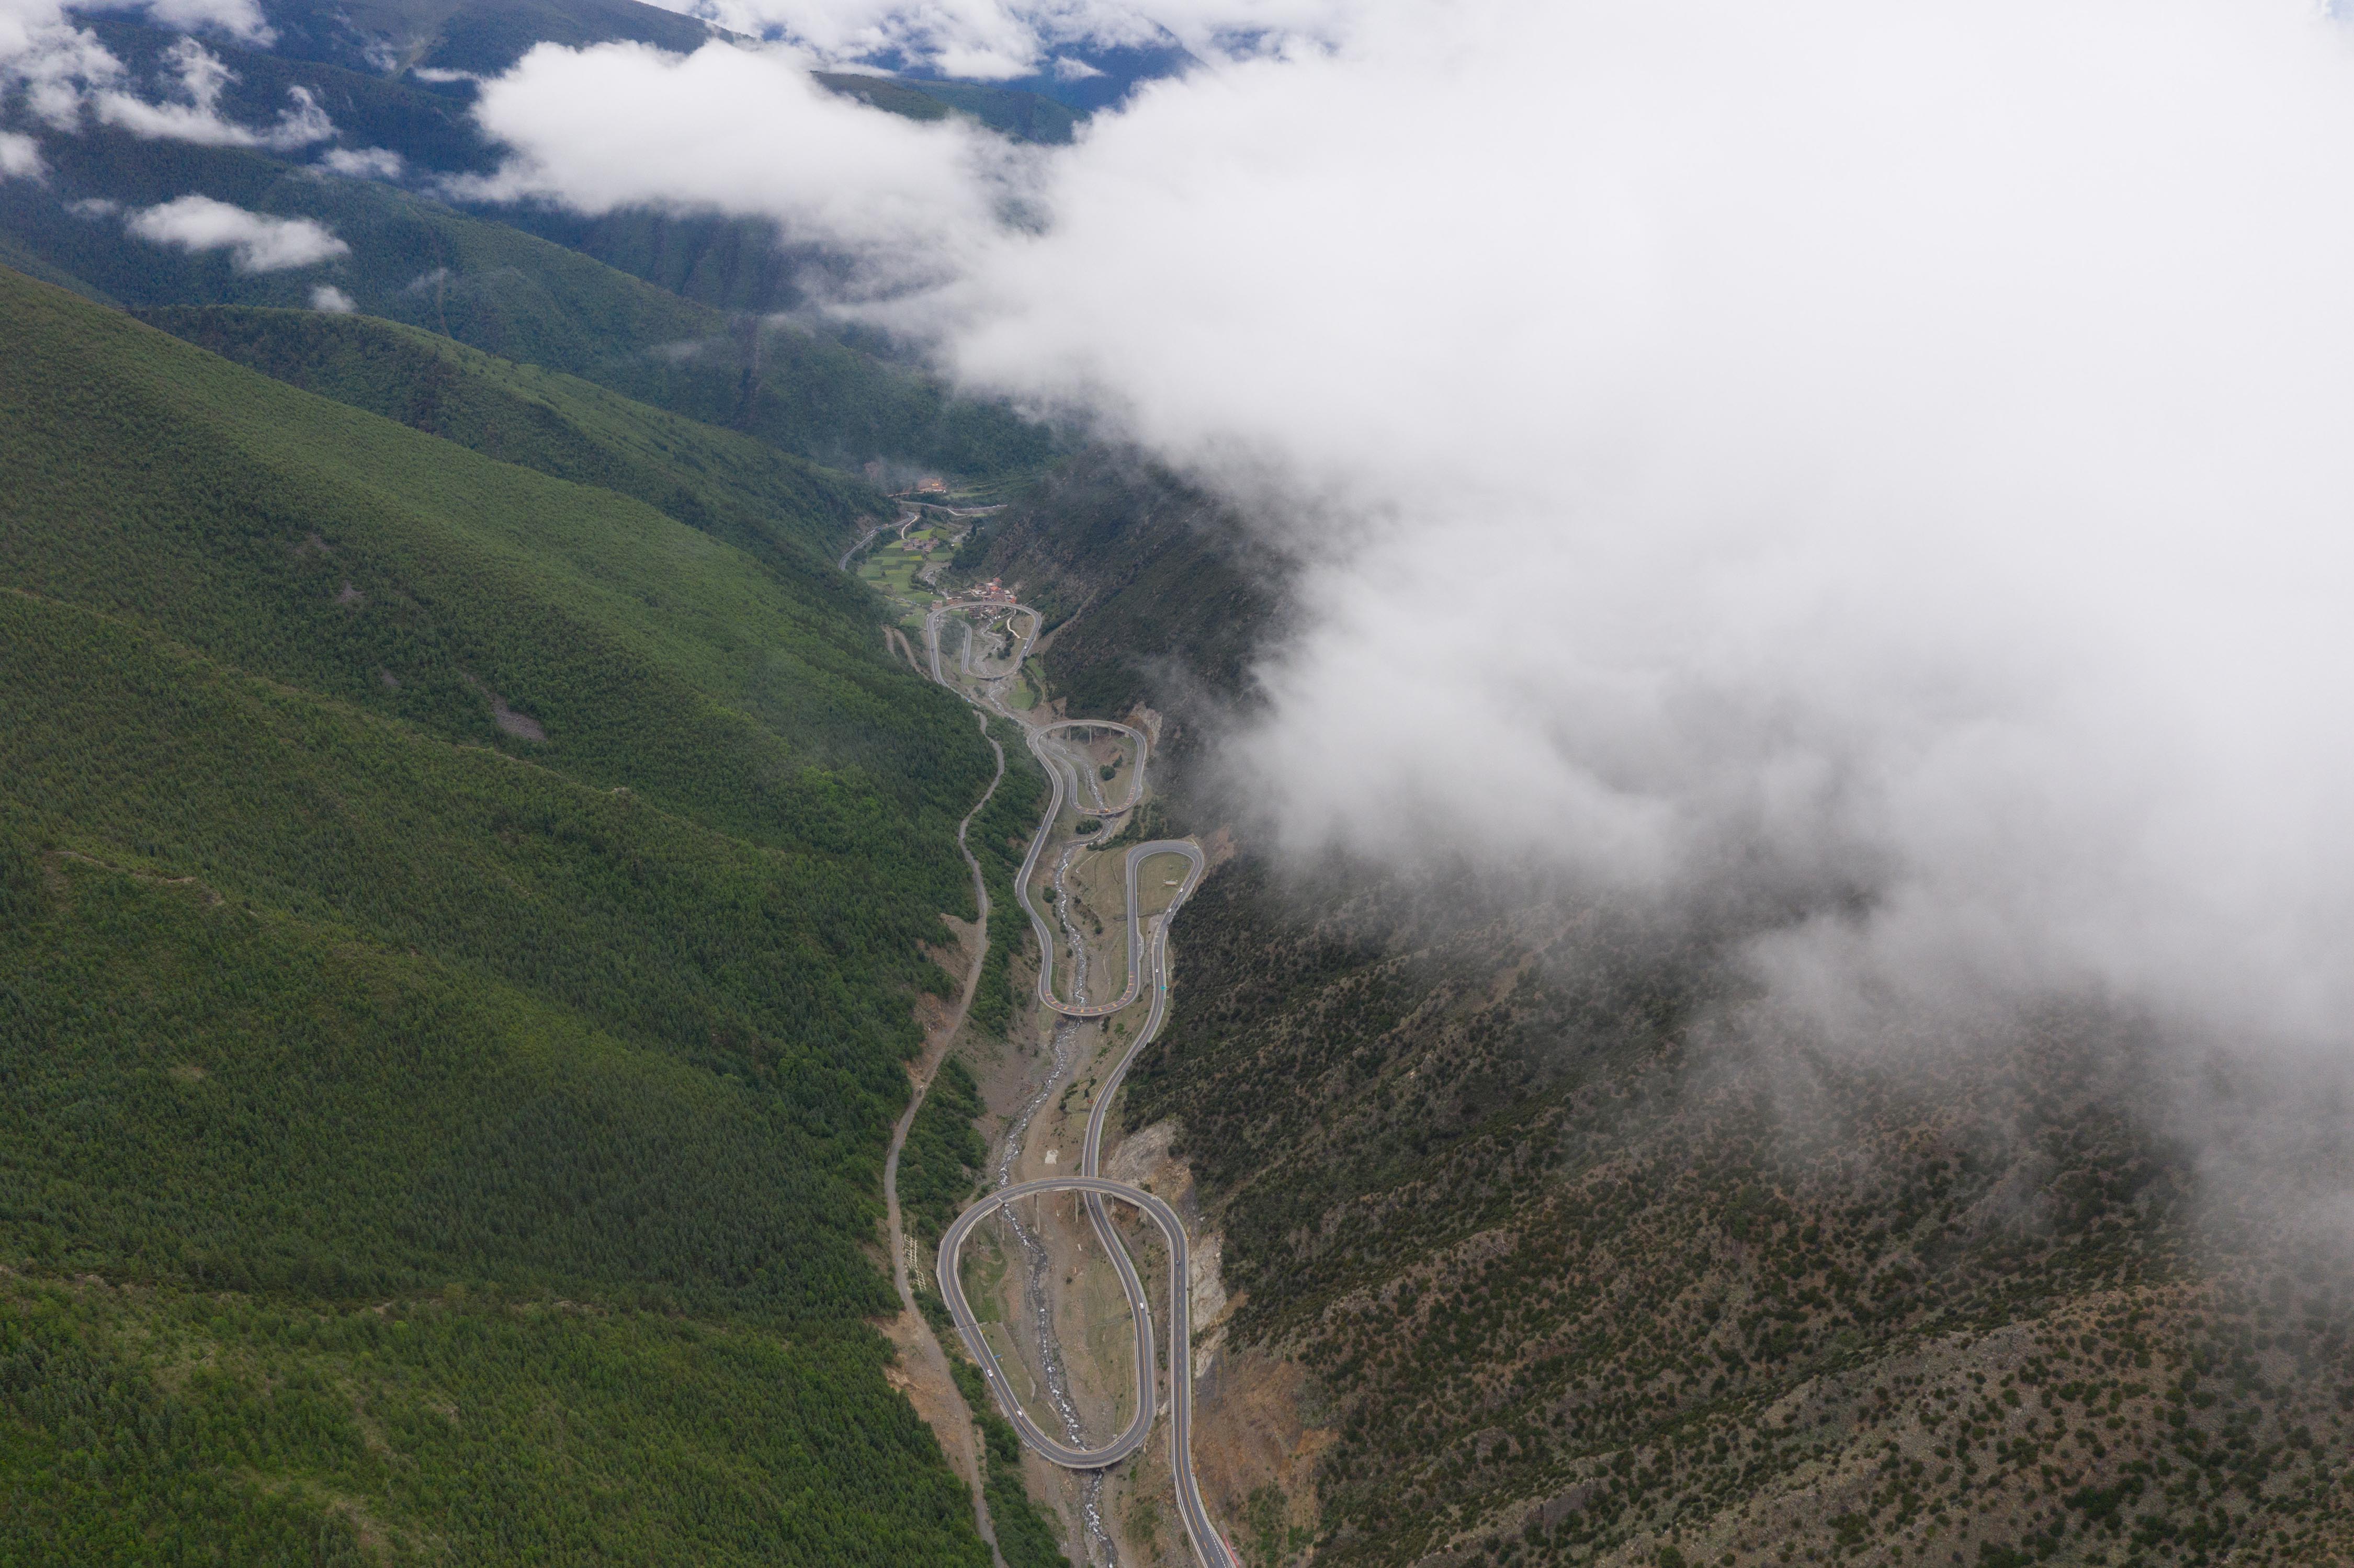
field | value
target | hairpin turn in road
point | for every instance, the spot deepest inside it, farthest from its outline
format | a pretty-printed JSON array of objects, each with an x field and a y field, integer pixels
[{"x": 1147, "y": 973}]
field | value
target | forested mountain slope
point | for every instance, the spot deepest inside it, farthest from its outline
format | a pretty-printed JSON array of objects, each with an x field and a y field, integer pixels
[
  {"x": 429, "y": 123},
  {"x": 783, "y": 509},
  {"x": 495, "y": 287},
  {"x": 1023, "y": 116},
  {"x": 1152, "y": 589},
  {"x": 1567, "y": 1269},
  {"x": 460, "y": 928},
  {"x": 480, "y": 37}
]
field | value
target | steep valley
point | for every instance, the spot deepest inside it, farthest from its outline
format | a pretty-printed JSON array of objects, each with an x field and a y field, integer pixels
[
  {"x": 1548, "y": 1243},
  {"x": 492, "y": 718}
]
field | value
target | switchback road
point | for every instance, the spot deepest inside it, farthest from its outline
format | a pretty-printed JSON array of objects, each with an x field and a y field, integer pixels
[{"x": 1148, "y": 972}]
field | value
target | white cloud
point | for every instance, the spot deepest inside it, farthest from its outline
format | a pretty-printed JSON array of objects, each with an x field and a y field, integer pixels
[
  {"x": 334, "y": 301},
  {"x": 52, "y": 62},
  {"x": 258, "y": 243},
  {"x": 239, "y": 18},
  {"x": 1833, "y": 447},
  {"x": 58, "y": 66},
  {"x": 363, "y": 163},
  {"x": 197, "y": 118},
  {"x": 739, "y": 130},
  {"x": 300, "y": 124},
  {"x": 20, "y": 156},
  {"x": 1889, "y": 458}
]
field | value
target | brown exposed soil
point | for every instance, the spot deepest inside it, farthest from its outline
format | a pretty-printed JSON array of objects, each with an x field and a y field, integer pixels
[
  {"x": 56, "y": 882},
  {"x": 523, "y": 726},
  {"x": 1249, "y": 1429},
  {"x": 1250, "y": 1434},
  {"x": 896, "y": 640}
]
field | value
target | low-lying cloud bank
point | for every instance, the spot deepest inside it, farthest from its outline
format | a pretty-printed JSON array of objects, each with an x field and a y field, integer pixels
[
  {"x": 1891, "y": 457},
  {"x": 256, "y": 242},
  {"x": 746, "y": 131}
]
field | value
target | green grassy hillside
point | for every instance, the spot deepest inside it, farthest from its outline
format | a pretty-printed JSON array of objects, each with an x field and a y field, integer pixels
[
  {"x": 456, "y": 935},
  {"x": 288, "y": 535},
  {"x": 783, "y": 509},
  {"x": 731, "y": 264},
  {"x": 498, "y": 289}
]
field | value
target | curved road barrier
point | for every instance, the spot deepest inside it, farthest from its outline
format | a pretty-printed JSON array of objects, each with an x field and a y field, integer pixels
[
  {"x": 1135, "y": 783},
  {"x": 1058, "y": 778},
  {"x": 1047, "y": 996},
  {"x": 1148, "y": 972},
  {"x": 1208, "y": 1545}
]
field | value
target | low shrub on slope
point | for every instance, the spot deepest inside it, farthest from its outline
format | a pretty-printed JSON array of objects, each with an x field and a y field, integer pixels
[{"x": 1565, "y": 1272}]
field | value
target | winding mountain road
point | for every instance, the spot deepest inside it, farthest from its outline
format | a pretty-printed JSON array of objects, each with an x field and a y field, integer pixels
[
  {"x": 1148, "y": 972},
  {"x": 1135, "y": 781}
]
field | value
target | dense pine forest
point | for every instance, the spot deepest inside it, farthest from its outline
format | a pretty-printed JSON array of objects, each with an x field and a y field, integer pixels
[{"x": 457, "y": 933}]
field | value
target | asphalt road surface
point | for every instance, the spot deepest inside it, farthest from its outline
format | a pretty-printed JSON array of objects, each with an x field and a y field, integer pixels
[
  {"x": 1135, "y": 782},
  {"x": 1148, "y": 972},
  {"x": 1061, "y": 792}
]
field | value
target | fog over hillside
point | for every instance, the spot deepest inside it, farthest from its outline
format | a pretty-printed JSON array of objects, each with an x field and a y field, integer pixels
[
  {"x": 1892, "y": 460},
  {"x": 1883, "y": 452},
  {"x": 1727, "y": 627},
  {"x": 1896, "y": 455}
]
